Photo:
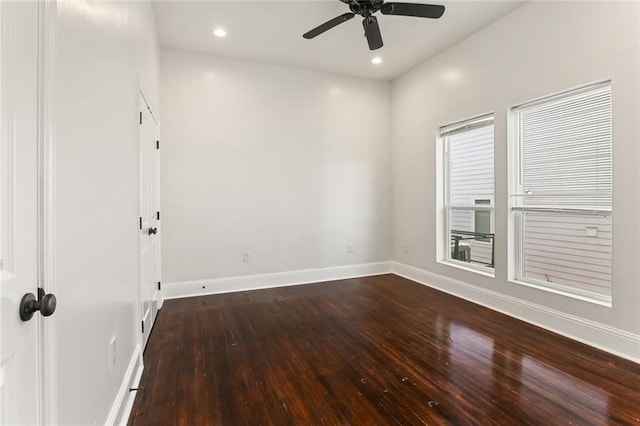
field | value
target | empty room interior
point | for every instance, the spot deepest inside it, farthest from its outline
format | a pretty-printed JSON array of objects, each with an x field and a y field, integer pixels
[{"x": 336, "y": 212}]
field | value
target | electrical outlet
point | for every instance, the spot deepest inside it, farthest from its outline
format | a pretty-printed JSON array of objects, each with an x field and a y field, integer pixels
[
  {"x": 349, "y": 248},
  {"x": 246, "y": 256},
  {"x": 591, "y": 231},
  {"x": 112, "y": 352},
  {"x": 405, "y": 249}
]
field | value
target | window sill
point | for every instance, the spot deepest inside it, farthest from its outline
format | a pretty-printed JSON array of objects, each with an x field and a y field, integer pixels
[
  {"x": 597, "y": 300},
  {"x": 465, "y": 266}
]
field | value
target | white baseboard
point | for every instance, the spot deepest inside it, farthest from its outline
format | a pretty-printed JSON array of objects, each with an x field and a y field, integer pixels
[
  {"x": 280, "y": 279},
  {"x": 121, "y": 407},
  {"x": 610, "y": 339}
]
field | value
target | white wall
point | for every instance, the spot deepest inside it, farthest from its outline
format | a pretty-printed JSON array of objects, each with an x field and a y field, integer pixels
[
  {"x": 293, "y": 165},
  {"x": 539, "y": 49},
  {"x": 289, "y": 165},
  {"x": 101, "y": 48}
]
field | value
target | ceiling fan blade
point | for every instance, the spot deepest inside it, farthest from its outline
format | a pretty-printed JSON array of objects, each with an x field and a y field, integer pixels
[
  {"x": 433, "y": 11},
  {"x": 328, "y": 25},
  {"x": 372, "y": 32}
]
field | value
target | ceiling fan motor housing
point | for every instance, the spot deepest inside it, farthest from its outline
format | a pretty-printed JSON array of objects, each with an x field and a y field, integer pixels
[{"x": 365, "y": 7}]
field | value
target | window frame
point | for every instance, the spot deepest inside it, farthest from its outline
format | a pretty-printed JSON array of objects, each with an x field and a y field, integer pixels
[
  {"x": 445, "y": 208},
  {"x": 517, "y": 210}
]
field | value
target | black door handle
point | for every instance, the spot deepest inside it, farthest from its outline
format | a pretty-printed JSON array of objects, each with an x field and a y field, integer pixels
[
  {"x": 153, "y": 231},
  {"x": 45, "y": 303}
]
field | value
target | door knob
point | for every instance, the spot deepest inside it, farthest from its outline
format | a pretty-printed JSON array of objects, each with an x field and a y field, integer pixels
[
  {"x": 153, "y": 231},
  {"x": 45, "y": 303}
]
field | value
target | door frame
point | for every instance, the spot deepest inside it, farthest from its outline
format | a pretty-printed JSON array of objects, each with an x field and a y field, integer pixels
[{"x": 47, "y": 88}]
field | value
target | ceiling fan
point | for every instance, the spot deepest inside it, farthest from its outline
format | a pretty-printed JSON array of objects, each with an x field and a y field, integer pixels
[{"x": 366, "y": 9}]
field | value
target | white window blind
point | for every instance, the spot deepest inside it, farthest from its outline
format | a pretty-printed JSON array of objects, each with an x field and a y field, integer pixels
[
  {"x": 566, "y": 151},
  {"x": 562, "y": 199}
]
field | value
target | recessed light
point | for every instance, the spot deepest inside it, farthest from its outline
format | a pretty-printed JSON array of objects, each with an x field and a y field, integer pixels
[
  {"x": 219, "y": 32},
  {"x": 376, "y": 60}
]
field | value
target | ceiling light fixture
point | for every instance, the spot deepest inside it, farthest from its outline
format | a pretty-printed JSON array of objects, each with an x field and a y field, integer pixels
[
  {"x": 219, "y": 32},
  {"x": 376, "y": 60}
]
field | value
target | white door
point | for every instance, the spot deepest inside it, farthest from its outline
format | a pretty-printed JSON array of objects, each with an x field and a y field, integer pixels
[
  {"x": 19, "y": 377},
  {"x": 149, "y": 207}
]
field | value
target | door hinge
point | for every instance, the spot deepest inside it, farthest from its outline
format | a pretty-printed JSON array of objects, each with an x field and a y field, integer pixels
[
  {"x": 140, "y": 117},
  {"x": 159, "y": 285},
  {"x": 157, "y": 144},
  {"x": 140, "y": 223},
  {"x": 142, "y": 322},
  {"x": 157, "y": 215}
]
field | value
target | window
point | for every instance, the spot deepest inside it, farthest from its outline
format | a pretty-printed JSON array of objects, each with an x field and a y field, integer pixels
[
  {"x": 468, "y": 193},
  {"x": 561, "y": 193}
]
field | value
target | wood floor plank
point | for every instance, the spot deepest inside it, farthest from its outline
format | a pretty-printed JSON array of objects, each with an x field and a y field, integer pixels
[{"x": 378, "y": 350}]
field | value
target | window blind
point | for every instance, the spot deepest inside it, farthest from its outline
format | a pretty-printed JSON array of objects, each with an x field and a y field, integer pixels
[
  {"x": 563, "y": 201},
  {"x": 566, "y": 151},
  {"x": 467, "y": 125}
]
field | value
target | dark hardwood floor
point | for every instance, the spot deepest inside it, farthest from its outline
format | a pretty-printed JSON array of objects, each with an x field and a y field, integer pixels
[{"x": 371, "y": 351}]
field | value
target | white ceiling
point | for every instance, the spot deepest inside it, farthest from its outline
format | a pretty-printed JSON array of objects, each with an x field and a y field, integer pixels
[{"x": 271, "y": 32}]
